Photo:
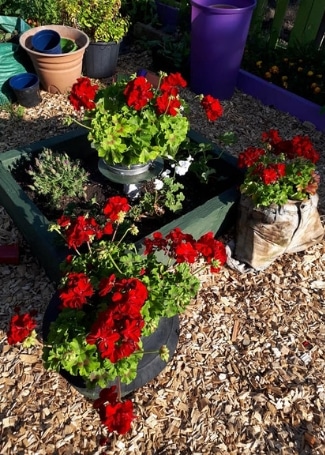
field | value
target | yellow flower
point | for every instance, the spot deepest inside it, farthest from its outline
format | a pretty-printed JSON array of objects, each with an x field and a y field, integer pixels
[
  {"x": 313, "y": 85},
  {"x": 284, "y": 78},
  {"x": 268, "y": 75},
  {"x": 259, "y": 64},
  {"x": 274, "y": 69},
  {"x": 310, "y": 73},
  {"x": 319, "y": 76},
  {"x": 291, "y": 63},
  {"x": 285, "y": 84},
  {"x": 300, "y": 69},
  {"x": 286, "y": 59},
  {"x": 317, "y": 89}
]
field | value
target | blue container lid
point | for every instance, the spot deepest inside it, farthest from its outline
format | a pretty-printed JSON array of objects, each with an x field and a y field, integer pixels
[{"x": 23, "y": 81}]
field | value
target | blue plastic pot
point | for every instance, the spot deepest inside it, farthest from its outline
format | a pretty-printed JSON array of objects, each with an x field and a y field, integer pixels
[
  {"x": 47, "y": 42},
  {"x": 218, "y": 37},
  {"x": 26, "y": 88}
]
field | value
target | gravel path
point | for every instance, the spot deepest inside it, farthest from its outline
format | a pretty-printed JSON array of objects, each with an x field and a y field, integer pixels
[{"x": 248, "y": 374}]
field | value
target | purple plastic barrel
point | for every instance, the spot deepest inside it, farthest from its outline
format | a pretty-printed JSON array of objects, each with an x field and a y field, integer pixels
[{"x": 218, "y": 36}]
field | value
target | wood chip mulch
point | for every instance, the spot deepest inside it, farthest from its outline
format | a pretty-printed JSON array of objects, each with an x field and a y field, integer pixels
[{"x": 248, "y": 376}]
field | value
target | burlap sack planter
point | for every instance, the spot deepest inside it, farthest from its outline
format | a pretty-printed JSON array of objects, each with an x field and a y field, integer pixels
[{"x": 264, "y": 234}]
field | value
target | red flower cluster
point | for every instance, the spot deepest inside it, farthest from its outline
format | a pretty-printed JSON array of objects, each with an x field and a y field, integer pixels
[
  {"x": 83, "y": 229},
  {"x": 138, "y": 92},
  {"x": 80, "y": 230},
  {"x": 117, "y": 330},
  {"x": 298, "y": 146},
  {"x": 212, "y": 107},
  {"x": 250, "y": 156},
  {"x": 21, "y": 326},
  {"x": 184, "y": 248},
  {"x": 114, "y": 206},
  {"x": 77, "y": 290},
  {"x": 83, "y": 94},
  {"x": 115, "y": 415}
]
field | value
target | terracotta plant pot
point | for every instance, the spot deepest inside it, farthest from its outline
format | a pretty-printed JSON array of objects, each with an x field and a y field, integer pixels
[{"x": 57, "y": 72}]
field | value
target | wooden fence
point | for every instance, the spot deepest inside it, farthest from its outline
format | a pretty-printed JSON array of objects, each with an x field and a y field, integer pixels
[{"x": 308, "y": 18}]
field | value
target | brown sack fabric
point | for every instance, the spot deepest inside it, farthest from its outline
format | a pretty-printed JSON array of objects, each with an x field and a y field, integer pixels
[{"x": 264, "y": 234}]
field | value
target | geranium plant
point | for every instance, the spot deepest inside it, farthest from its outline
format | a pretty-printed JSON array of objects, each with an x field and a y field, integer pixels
[
  {"x": 111, "y": 296},
  {"x": 133, "y": 122},
  {"x": 280, "y": 170}
]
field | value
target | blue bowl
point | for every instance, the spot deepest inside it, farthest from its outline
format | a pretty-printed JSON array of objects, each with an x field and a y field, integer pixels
[{"x": 47, "y": 42}]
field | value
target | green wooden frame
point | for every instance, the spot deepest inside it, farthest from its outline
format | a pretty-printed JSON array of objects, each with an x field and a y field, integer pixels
[
  {"x": 215, "y": 215},
  {"x": 309, "y": 18}
]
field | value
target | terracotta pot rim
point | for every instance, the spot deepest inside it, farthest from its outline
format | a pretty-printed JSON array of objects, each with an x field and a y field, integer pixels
[{"x": 64, "y": 31}]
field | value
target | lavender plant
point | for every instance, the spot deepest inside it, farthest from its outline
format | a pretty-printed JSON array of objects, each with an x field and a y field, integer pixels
[{"x": 55, "y": 175}]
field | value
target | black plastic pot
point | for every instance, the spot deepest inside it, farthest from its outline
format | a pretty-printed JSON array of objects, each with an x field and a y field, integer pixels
[
  {"x": 149, "y": 366},
  {"x": 26, "y": 88},
  {"x": 100, "y": 60}
]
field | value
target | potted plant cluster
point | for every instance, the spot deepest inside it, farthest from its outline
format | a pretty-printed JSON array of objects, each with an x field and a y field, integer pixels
[
  {"x": 278, "y": 208},
  {"x": 133, "y": 121},
  {"x": 113, "y": 303},
  {"x": 105, "y": 26}
]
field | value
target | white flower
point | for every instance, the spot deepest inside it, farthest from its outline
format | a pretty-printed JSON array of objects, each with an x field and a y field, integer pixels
[
  {"x": 158, "y": 184},
  {"x": 166, "y": 173},
  {"x": 182, "y": 166}
]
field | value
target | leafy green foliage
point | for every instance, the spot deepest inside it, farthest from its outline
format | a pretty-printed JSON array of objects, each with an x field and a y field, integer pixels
[
  {"x": 101, "y": 20},
  {"x": 15, "y": 111},
  {"x": 154, "y": 200},
  {"x": 122, "y": 136},
  {"x": 55, "y": 175},
  {"x": 292, "y": 187},
  {"x": 34, "y": 12}
]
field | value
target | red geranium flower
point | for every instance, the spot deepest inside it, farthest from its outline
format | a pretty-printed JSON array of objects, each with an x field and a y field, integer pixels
[
  {"x": 212, "y": 107},
  {"x": 171, "y": 81},
  {"x": 118, "y": 417},
  {"x": 76, "y": 291},
  {"x": 269, "y": 176},
  {"x": 114, "y": 206},
  {"x": 138, "y": 92},
  {"x": 185, "y": 252},
  {"x": 250, "y": 156},
  {"x": 20, "y": 327},
  {"x": 106, "y": 285},
  {"x": 167, "y": 104},
  {"x": 83, "y": 94},
  {"x": 80, "y": 230},
  {"x": 212, "y": 250},
  {"x": 157, "y": 243}
]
